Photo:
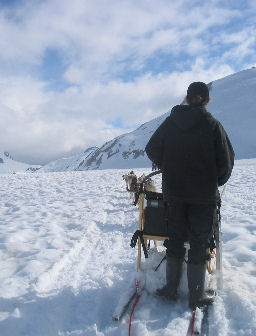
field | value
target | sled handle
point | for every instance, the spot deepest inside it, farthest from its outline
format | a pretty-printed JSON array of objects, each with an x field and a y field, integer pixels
[
  {"x": 141, "y": 184},
  {"x": 151, "y": 174}
]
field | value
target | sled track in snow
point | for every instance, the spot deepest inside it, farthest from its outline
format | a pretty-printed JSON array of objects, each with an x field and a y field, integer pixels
[
  {"x": 71, "y": 268},
  {"x": 93, "y": 253}
]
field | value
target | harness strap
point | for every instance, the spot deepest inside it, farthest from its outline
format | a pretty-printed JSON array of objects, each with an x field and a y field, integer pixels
[
  {"x": 134, "y": 239},
  {"x": 137, "y": 195}
]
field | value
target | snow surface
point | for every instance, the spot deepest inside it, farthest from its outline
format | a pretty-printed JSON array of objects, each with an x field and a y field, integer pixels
[{"x": 65, "y": 258}]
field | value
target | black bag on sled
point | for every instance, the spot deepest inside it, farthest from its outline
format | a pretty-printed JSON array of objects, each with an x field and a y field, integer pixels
[{"x": 156, "y": 215}]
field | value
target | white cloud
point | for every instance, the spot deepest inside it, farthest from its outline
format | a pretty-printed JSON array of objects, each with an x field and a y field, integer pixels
[
  {"x": 239, "y": 45},
  {"x": 43, "y": 125},
  {"x": 96, "y": 34},
  {"x": 99, "y": 41}
]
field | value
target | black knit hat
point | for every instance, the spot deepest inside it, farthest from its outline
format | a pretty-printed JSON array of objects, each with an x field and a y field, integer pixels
[{"x": 198, "y": 88}]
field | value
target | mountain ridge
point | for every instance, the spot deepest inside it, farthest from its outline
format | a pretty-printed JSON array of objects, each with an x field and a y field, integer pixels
[{"x": 232, "y": 103}]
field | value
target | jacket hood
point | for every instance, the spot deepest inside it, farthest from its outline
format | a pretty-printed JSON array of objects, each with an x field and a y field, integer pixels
[{"x": 186, "y": 117}]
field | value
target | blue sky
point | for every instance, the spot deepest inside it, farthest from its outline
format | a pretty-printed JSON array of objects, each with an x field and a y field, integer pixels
[{"x": 78, "y": 73}]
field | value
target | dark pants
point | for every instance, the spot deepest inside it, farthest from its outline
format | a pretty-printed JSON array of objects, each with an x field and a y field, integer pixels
[{"x": 193, "y": 223}]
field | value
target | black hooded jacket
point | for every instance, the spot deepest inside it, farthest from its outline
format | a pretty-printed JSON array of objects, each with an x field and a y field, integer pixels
[{"x": 194, "y": 153}]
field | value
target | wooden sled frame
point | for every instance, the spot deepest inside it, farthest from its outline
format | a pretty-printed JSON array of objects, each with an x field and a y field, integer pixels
[{"x": 142, "y": 221}]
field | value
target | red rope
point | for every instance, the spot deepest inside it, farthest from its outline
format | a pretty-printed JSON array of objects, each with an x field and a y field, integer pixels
[
  {"x": 192, "y": 323},
  {"x": 133, "y": 308}
]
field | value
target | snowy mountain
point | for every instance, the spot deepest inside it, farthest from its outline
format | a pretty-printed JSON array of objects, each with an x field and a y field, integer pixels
[
  {"x": 8, "y": 165},
  {"x": 69, "y": 163},
  {"x": 125, "y": 151},
  {"x": 232, "y": 103}
]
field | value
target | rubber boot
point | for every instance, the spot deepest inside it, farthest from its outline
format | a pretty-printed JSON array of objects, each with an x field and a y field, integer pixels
[
  {"x": 173, "y": 275},
  {"x": 196, "y": 280}
]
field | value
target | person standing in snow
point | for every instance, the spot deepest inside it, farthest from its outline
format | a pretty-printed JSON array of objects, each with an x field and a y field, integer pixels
[{"x": 196, "y": 156}]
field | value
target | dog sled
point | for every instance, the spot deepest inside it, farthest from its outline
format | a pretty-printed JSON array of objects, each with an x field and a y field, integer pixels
[{"x": 153, "y": 226}]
